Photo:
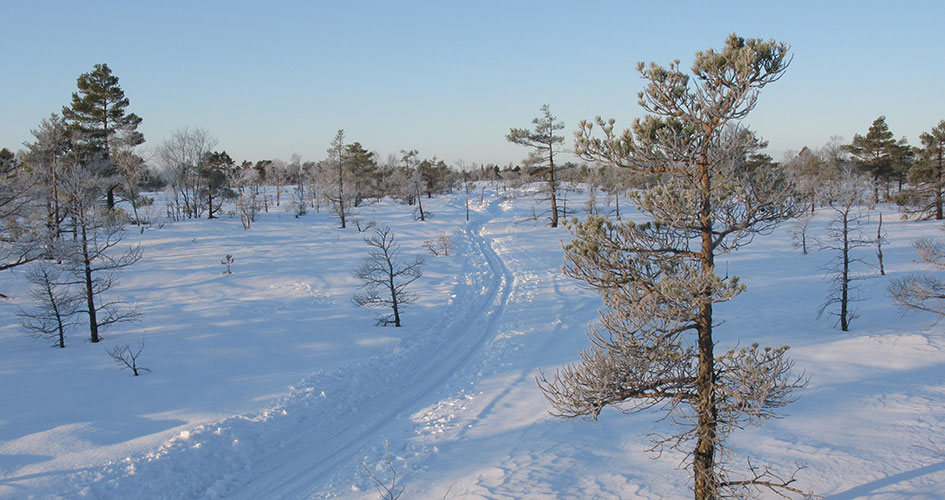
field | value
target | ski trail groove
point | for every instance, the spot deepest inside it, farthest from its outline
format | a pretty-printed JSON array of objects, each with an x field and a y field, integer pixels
[{"x": 300, "y": 469}]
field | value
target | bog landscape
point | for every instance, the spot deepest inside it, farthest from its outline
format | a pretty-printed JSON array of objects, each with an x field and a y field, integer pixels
[{"x": 640, "y": 309}]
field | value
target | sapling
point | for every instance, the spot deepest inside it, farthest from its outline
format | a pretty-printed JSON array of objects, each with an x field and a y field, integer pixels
[
  {"x": 226, "y": 262},
  {"x": 127, "y": 358}
]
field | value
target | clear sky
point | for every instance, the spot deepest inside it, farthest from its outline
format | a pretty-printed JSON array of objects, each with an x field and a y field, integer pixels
[{"x": 449, "y": 78}]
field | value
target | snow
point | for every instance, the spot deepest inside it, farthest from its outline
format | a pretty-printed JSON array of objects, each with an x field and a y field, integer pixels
[{"x": 270, "y": 383}]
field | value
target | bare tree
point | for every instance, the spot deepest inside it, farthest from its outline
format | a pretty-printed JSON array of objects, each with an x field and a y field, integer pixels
[
  {"x": 441, "y": 245},
  {"x": 181, "y": 157},
  {"x": 24, "y": 235},
  {"x": 57, "y": 303},
  {"x": 812, "y": 170},
  {"x": 298, "y": 172},
  {"x": 800, "y": 229},
  {"x": 844, "y": 234},
  {"x": 277, "y": 174},
  {"x": 921, "y": 292},
  {"x": 44, "y": 157},
  {"x": 653, "y": 345},
  {"x": 246, "y": 180},
  {"x": 542, "y": 140},
  {"x": 132, "y": 171},
  {"x": 385, "y": 490},
  {"x": 128, "y": 358},
  {"x": 91, "y": 254},
  {"x": 395, "y": 487},
  {"x": 386, "y": 277}
]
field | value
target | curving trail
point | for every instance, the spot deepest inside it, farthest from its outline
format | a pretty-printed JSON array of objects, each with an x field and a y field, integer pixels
[
  {"x": 297, "y": 449},
  {"x": 302, "y": 467}
]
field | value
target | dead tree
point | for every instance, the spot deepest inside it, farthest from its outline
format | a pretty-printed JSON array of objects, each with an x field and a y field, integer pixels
[
  {"x": 800, "y": 229},
  {"x": 56, "y": 303},
  {"x": 844, "y": 234},
  {"x": 128, "y": 358},
  {"x": 653, "y": 346},
  {"x": 441, "y": 245},
  {"x": 94, "y": 255},
  {"x": 922, "y": 292},
  {"x": 386, "y": 277}
]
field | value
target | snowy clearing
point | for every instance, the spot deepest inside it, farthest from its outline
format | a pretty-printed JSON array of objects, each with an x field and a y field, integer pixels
[{"x": 270, "y": 383}]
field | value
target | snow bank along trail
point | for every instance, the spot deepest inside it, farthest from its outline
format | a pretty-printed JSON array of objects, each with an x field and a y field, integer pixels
[{"x": 293, "y": 449}]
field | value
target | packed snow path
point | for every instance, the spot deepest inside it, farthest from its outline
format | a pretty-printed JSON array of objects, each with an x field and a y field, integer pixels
[
  {"x": 300, "y": 467},
  {"x": 294, "y": 450}
]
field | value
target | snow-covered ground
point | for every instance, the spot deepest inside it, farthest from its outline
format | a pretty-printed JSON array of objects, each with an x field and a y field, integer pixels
[{"x": 270, "y": 383}]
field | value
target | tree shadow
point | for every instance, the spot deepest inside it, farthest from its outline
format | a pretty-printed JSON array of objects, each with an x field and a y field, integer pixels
[{"x": 873, "y": 486}]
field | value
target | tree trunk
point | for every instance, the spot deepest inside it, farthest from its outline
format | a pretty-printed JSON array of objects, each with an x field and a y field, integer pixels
[
  {"x": 845, "y": 275},
  {"x": 617, "y": 201},
  {"x": 210, "y": 205},
  {"x": 938, "y": 188},
  {"x": 879, "y": 245},
  {"x": 552, "y": 187},
  {"x": 110, "y": 198},
  {"x": 706, "y": 480},
  {"x": 59, "y": 326},
  {"x": 341, "y": 196},
  {"x": 420, "y": 205},
  {"x": 393, "y": 288},
  {"x": 89, "y": 288}
]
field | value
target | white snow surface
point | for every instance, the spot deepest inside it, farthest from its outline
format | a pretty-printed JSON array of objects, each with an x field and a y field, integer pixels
[{"x": 270, "y": 383}]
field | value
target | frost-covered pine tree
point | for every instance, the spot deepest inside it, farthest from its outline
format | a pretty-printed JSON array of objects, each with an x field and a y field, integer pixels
[
  {"x": 543, "y": 142},
  {"x": 333, "y": 180},
  {"x": 653, "y": 346}
]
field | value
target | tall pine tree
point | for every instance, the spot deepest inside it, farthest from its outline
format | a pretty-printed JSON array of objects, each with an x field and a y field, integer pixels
[
  {"x": 927, "y": 175},
  {"x": 98, "y": 114},
  {"x": 877, "y": 154},
  {"x": 653, "y": 346}
]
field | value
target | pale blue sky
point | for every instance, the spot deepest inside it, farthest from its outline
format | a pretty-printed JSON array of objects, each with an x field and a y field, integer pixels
[{"x": 451, "y": 78}]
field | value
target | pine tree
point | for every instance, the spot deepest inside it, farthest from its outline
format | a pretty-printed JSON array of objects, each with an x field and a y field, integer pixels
[
  {"x": 362, "y": 167},
  {"x": 334, "y": 179},
  {"x": 654, "y": 344},
  {"x": 542, "y": 158},
  {"x": 98, "y": 113},
  {"x": 928, "y": 176},
  {"x": 878, "y": 154}
]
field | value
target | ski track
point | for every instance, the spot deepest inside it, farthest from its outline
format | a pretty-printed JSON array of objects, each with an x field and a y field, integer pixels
[{"x": 296, "y": 449}]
